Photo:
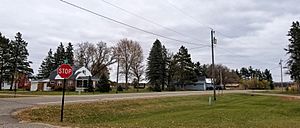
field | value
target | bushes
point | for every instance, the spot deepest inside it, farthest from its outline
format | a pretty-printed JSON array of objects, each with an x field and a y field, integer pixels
[
  {"x": 155, "y": 88},
  {"x": 119, "y": 88},
  {"x": 104, "y": 84},
  {"x": 103, "y": 87}
]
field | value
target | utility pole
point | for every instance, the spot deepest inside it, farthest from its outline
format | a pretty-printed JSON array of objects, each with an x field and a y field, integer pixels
[
  {"x": 281, "y": 78},
  {"x": 118, "y": 74},
  {"x": 221, "y": 82},
  {"x": 213, "y": 41}
]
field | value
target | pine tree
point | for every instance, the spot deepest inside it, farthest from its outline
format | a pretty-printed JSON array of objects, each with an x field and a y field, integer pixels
[
  {"x": 268, "y": 76},
  {"x": 154, "y": 69},
  {"x": 197, "y": 69},
  {"x": 4, "y": 57},
  {"x": 171, "y": 70},
  {"x": 164, "y": 63},
  {"x": 245, "y": 74},
  {"x": 69, "y": 55},
  {"x": 185, "y": 74},
  {"x": 59, "y": 55},
  {"x": 294, "y": 51},
  {"x": 47, "y": 66},
  {"x": 18, "y": 61},
  {"x": 104, "y": 85}
]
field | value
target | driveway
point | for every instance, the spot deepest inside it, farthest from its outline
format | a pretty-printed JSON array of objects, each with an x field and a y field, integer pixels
[{"x": 10, "y": 105}]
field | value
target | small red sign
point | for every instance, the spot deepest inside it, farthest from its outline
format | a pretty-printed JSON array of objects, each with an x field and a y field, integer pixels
[{"x": 64, "y": 71}]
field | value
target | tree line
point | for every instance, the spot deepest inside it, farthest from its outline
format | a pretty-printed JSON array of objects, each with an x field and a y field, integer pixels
[
  {"x": 53, "y": 60},
  {"x": 14, "y": 63},
  {"x": 293, "y": 50},
  {"x": 163, "y": 67},
  {"x": 255, "y": 79},
  {"x": 164, "y": 70}
]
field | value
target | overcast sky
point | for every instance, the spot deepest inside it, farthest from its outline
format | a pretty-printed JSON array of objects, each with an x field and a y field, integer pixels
[{"x": 249, "y": 32}]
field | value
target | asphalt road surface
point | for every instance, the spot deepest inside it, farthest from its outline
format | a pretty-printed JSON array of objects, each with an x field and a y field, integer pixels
[{"x": 10, "y": 105}]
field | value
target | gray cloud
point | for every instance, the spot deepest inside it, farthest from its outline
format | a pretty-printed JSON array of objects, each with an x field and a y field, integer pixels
[{"x": 249, "y": 32}]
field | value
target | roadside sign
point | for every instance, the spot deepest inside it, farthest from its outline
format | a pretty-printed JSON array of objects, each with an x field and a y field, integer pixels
[{"x": 64, "y": 71}]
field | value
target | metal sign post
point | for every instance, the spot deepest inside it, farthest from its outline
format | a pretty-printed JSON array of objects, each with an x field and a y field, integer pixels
[
  {"x": 63, "y": 102},
  {"x": 64, "y": 71}
]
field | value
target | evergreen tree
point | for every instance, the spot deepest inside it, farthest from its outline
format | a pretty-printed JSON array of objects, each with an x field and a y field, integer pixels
[
  {"x": 197, "y": 69},
  {"x": 163, "y": 77},
  {"x": 200, "y": 70},
  {"x": 47, "y": 66},
  {"x": 171, "y": 70},
  {"x": 69, "y": 55},
  {"x": 154, "y": 69},
  {"x": 238, "y": 73},
  {"x": 104, "y": 85},
  {"x": 185, "y": 73},
  {"x": 268, "y": 76},
  {"x": 244, "y": 73},
  {"x": 4, "y": 57},
  {"x": 59, "y": 55},
  {"x": 18, "y": 61},
  {"x": 294, "y": 51}
]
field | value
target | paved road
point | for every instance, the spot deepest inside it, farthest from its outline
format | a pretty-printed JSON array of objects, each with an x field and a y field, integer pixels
[{"x": 10, "y": 105}]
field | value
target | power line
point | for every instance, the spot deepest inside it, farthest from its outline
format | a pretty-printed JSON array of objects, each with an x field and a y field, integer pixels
[
  {"x": 149, "y": 21},
  {"x": 198, "y": 47},
  {"x": 186, "y": 14},
  {"x": 195, "y": 19},
  {"x": 133, "y": 27},
  {"x": 274, "y": 67},
  {"x": 225, "y": 35},
  {"x": 228, "y": 51}
]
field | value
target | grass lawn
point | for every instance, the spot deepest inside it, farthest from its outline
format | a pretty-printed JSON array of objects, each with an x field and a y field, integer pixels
[
  {"x": 231, "y": 110},
  {"x": 9, "y": 96},
  {"x": 281, "y": 92},
  {"x": 22, "y": 92}
]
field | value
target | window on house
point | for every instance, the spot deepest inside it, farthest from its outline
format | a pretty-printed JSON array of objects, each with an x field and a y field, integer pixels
[
  {"x": 85, "y": 83},
  {"x": 59, "y": 83},
  {"x": 70, "y": 83}
]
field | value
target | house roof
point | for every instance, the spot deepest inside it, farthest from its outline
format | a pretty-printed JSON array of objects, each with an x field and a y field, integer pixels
[
  {"x": 78, "y": 73},
  {"x": 40, "y": 80},
  {"x": 208, "y": 80}
]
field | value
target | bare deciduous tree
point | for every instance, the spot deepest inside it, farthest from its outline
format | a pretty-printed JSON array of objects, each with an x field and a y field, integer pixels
[
  {"x": 84, "y": 54},
  {"x": 103, "y": 57},
  {"x": 95, "y": 57},
  {"x": 138, "y": 68},
  {"x": 130, "y": 55}
]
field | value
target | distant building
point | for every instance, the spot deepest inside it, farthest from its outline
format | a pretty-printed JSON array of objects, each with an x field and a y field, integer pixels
[
  {"x": 232, "y": 86},
  {"x": 23, "y": 82},
  {"x": 80, "y": 79},
  {"x": 284, "y": 84},
  {"x": 5, "y": 85},
  {"x": 201, "y": 85}
]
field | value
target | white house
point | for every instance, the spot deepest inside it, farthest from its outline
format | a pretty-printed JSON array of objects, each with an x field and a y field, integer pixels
[
  {"x": 201, "y": 85},
  {"x": 5, "y": 85},
  {"x": 80, "y": 79},
  {"x": 41, "y": 84}
]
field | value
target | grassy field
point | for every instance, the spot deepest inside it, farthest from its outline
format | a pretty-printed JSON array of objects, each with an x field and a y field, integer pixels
[
  {"x": 232, "y": 110},
  {"x": 9, "y": 96},
  {"x": 22, "y": 92},
  {"x": 281, "y": 92}
]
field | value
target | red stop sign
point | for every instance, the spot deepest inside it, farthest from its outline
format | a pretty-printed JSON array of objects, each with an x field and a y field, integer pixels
[{"x": 64, "y": 71}]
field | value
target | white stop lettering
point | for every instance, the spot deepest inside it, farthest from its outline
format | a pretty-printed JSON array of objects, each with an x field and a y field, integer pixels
[{"x": 64, "y": 71}]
